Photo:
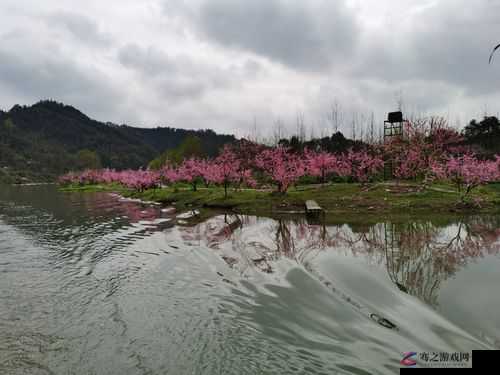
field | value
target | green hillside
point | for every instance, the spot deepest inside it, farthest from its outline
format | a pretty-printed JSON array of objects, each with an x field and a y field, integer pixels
[{"x": 42, "y": 141}]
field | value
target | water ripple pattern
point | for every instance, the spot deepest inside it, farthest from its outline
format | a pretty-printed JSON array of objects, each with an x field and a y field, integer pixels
[{"x": 97, "y": 284}]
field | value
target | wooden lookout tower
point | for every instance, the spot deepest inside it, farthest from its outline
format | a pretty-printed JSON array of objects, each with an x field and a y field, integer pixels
[{"x": 393, "y": 127}]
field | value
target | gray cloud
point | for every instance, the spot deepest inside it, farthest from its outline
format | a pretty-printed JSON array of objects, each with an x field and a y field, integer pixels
[
  {"x": 149, "y": 61},
  {"x": 181, "y": 76},
  {"x": 80, "y": 26},
  {"x": 308, "y": 36},
  {"x": 220, "y": 63},
  {"x": 447, "y": 43},
  {"x": 36, "y": 77}
]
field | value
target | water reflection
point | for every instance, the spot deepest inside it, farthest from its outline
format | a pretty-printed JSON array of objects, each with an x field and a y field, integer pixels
[
  {"x": 418, "y": 255},
  {"x": 93, "y": 283}
]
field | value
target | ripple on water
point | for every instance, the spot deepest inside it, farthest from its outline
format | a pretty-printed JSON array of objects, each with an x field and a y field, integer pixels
[{"x": 92, "y": 283}]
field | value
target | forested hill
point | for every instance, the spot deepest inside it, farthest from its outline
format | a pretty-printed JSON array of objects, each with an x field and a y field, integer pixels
[{"x": 39, "y": 142}]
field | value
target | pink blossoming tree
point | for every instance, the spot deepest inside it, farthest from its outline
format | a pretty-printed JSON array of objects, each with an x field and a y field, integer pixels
[
  {"x": 320, "y": 164},
  {"x": 281, "y": 166},
  {"x": 361, "y": 166},
  {"x": 169, "y": 175},
  {"x": 190, "y": 172},
  {"x": 227, "y": 169},
  {"x": 423, "y": 143},
  {"x": 467, "y": 172},
  {"x": 140, "y": 180}
]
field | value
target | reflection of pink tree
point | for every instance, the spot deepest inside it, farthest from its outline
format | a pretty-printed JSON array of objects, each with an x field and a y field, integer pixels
[
  {"x": 215, "y": 231},
  {"x": 285, "y": 244},
  {"x": 418, "y": 255}
]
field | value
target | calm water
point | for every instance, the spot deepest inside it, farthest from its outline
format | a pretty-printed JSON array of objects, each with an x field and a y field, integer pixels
[{"x": 91, "y": 284}]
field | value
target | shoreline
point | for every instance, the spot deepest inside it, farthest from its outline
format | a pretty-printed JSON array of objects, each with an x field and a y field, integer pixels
[{"x": 347, "y": 199}]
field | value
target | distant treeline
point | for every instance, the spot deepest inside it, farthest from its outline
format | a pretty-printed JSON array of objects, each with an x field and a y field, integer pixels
[
  {"x": 47, "y": 139},
  {"x": 43, "y": 141},
  {"x": 484, "y": 136}
]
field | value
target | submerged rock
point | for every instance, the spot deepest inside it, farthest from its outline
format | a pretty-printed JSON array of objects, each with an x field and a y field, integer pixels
[
  {"x": 188, "y": 215},
  {"x": 383, "y": 321}
]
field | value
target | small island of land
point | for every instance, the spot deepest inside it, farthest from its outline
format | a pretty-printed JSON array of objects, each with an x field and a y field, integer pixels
[{"x": 336, "y": 198}]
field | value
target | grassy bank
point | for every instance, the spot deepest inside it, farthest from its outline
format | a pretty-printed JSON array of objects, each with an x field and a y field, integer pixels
[
  {"x": 346, "y": 199},
  {"x": 110, "y": 188}
]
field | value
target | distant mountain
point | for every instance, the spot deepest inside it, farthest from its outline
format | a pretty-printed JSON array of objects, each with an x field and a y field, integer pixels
[{"x": 42, "y": 141}]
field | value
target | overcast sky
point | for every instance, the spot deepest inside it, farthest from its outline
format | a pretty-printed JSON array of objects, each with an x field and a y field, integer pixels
[{"x": 223, "y": 63}]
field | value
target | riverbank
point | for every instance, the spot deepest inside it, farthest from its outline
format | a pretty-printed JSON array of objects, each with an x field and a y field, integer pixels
[{"x": 341, "y": 198}]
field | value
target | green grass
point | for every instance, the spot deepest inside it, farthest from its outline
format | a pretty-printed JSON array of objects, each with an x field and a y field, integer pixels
[
  {"x": 112, "y": 188},
  {"x": 340, "y": 198}
]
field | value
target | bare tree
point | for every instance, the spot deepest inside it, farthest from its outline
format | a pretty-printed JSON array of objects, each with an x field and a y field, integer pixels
[
  {"x": 361, "y": 127},
  {"x": 335, "y": 116},
  {"x": 371, "y": 130},
  {"x": 323, "y": 128},
  {"x": 399, "y": 100},
  {"x": 354, "y": 125},
  {"x": 278, "y": 131},
  {"x": 380, "y": 136},
  {"x": 312, "y": 135},
  {"x": 254, "y": 133},
  {"x": 301, "y": 127}
]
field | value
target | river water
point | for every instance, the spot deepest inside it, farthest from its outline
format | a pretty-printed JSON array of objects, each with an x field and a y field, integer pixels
[{"x": 94, "y": 284}]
